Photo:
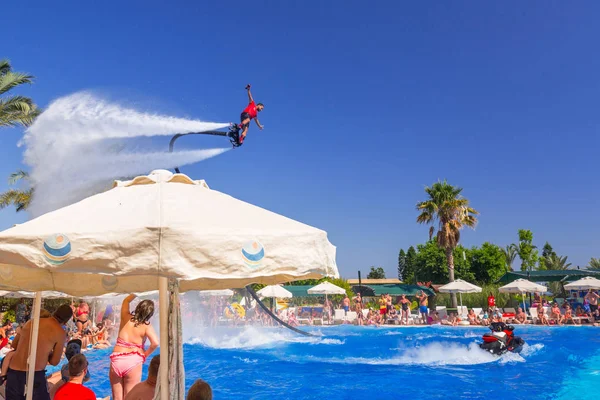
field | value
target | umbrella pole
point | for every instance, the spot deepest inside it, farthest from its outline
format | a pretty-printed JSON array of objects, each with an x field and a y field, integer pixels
[
  {"x": 35, "y": 329},
  {"x": 163, "y": 288},
  {"x": 461, "y": 307}
]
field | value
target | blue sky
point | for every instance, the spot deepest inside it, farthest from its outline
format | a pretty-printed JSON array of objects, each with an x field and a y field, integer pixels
[{"x": 365, "y": 106}]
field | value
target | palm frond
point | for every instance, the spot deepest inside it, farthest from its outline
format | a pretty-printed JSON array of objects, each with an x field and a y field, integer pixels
[
  {"x": 17, "y": 110},
  {"x": 5, "y": 67},
  {"x": 10, "y": 80},
  {"x": 17, "y": 176}
]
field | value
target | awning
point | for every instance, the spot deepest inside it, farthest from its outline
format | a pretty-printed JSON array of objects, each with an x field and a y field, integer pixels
[
  {"x": 391, "y": 289},
  {"x": 566, "y": 275},
  {"x": 300, "y": 290}
]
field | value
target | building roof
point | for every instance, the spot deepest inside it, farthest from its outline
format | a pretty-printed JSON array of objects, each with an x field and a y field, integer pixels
[
  {"x": 396, "y": 289},
  {"x": 374, "y": 281},
  {"x": 565, "y": 275},
  {"x": 301, "y": 290}
]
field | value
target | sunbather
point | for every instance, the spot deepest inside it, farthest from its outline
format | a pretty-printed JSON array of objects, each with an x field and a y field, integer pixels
[
  {"x": 555, "y": 314},
  {"x": 521, "y": 317},
  {"x": 569, "y": 316},
  {"x": 542, "y": 315},
  {"x": 472, "y": 317}
]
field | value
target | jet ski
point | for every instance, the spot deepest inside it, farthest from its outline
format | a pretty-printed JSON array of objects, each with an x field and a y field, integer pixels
[{"x": 501, "y": 339}]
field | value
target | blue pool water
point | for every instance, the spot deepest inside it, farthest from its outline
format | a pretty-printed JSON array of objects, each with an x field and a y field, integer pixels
[{"x": 347, "y": 362}]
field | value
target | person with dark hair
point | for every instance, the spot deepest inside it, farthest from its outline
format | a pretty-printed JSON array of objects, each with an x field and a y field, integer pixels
[
  {"x": 145, "y": 390},
  {"x": 74, "y": 388},
  {"x": 50, "y": 345},
  {"x": 200, "y": 390},
  {"x": 250, "y": 113},
  {"x": 129, "y": 354}
]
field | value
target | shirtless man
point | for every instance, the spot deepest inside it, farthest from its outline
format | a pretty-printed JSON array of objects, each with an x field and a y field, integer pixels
[
  {"x": 346, "y": 304},
  {"x": 592, "y": 298},
  {"x": 521, "y": 317},
  {"x": 145, "y": 390},
  {"x": 423, "y": 306},
  {"x": 50, "y": 345}
]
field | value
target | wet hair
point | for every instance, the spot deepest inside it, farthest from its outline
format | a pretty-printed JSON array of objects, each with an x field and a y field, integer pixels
[
  {"x": 200, "y": 390},
  {"x": 63, "y": 313},
  {"x": 143, "y": 312},
  {"x": 77, "y": 364},
  {"x": 154, "y": 364}
]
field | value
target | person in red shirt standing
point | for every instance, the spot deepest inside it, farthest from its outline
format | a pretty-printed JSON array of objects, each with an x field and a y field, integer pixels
[
  {"x": 491, "y": 302},
  {"x": 249, "y": 113},
  {"x": 74, "y": 389}
]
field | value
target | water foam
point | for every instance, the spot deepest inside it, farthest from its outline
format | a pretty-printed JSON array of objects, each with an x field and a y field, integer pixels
[
  {"x": 80, "y": 143},
  {"x": 250, "y": 337}
]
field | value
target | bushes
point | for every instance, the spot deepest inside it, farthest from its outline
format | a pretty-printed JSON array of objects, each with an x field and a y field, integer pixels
[
  {"x": 480, "y": 299},
  {"x": 9, "y": 316}
]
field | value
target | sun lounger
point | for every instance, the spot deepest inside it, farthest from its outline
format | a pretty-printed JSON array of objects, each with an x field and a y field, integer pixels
[
  {"x": 462, "y": 311},
  {"x": 442, "y": 311},
  {"x": 304, "y": 315},
  {"x": 478, "y": 311},
  {"x": 338, "y": 316},
  {"x": 534, "y": 315},
  {"x": 350, "y": 316},
  {"x": 317, "y": 315}
]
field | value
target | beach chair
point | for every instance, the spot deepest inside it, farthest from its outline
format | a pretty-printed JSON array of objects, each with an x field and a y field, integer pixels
[
  {"x": 510, "y": 310},
  {"x": 317, "y": 315},
  {"x": 478, "y": 311},
  {"x": 534, "y": 315},
  {"x": 304, "y": 315},
  {"x": 350, "y": 316},
  {"x": 442, "y": 310},
  {"x": 462, "y": 312},
  {"x": 338, "y": 316},
  {"x": 365, "y": 312}
]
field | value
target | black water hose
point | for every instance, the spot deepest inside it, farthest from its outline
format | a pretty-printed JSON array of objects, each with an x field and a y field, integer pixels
[
  {"x": 248, "y": 288},
  {"x": 275, "y": 317}
]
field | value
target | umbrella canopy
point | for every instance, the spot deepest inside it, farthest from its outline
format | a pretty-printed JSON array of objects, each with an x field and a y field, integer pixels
[
  {"x": 522, "y": 286},
  {"x": 326, "y": 288},
  {"x": 459, "y": 286},
  {"x": 210, "y": 293},
  {"x": 584, "y": 284},
  {"x": 49, "y": 294},
  {"x": 161, "y": 225},
  {"x": 274, "y": 291}
]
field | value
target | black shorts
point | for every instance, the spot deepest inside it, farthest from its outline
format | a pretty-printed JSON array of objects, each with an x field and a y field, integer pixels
[
  {"x": 244, "y": 116},
  {"x": 15, "y": 385},
  {"x": 593, "y": 307}
]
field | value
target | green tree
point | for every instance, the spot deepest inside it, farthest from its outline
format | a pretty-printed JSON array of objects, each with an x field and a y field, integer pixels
[
  {"x": 15, "y": 110},
  {"x": 594, "y": 263},
  {"x": 430, "y": 263},
  {"x": 376, "y": 273},
  {"x": 446, "y": 207},
  {"x": 526, "y": 250},
  {"x": 20, "y": 198},
  {"x": 547, "y": 253},
  {"x": 488, "y": 263},
  {"x": 408, "y": 275},
  {"x": 510, "y": 253},
  {"x": 555, "y": 262},
  {"x": 401, "y": 263}
]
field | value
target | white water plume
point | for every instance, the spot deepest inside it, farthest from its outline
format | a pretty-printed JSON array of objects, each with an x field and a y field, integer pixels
[{"x": 81, "y": 143}]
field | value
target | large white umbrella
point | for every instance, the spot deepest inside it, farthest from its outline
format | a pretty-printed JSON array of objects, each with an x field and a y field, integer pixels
[
  {"x": 275, "y": 291},
  {"x": 522, "y": 286},
  {"x": 326, "y": 288},
  {"x": 586, "y": 283},
  {"x": 135, "y": 236},
  {"x": 459, "y": 286}
]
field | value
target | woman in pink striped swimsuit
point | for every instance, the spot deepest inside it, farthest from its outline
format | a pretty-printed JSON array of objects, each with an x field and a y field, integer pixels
[{"x": 128, "y": 355}]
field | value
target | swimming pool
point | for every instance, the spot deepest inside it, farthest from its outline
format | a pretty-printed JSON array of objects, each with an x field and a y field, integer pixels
[{"x": 348, "y": 362}]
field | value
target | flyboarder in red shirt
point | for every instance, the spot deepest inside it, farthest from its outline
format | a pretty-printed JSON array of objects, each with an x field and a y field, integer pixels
[{"x": 249, "y": 113}]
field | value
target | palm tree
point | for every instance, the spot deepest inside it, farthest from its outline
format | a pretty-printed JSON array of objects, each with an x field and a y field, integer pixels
[
  {"x": 594, "y": 263},
  {"x": 21, "y": 199},
  {"x": 555, "y": 262},
  {"x": 15, "y": 110},
  {"x": 446, "y": 207},
  {"x": 510, "y": 253}
]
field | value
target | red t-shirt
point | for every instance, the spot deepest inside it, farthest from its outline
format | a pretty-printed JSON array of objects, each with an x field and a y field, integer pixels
[
  {"x": 251, "y": 110},
  {"x": 491, "y": 301},
  {"x": 74, "y": 391}
]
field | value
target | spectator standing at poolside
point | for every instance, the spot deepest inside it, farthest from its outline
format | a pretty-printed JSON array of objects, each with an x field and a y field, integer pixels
[
  {"x": 423, "y": 306},
  {"x": 200, "y": 390},
  {"x": 405, "y": 305},
  {"x": 491, "y": 302},
  {"x": 21, "y": 312},
  {"x": 592, "y": 298},
  {"x": 145, "y": 390},
  {"x": 346, "y": 304},
  {"x": 358, "y": 309},
  {"x": 382, "y": 306},
  {"x": 50, "y": 345},
  {"x": 74, "y": 389}
]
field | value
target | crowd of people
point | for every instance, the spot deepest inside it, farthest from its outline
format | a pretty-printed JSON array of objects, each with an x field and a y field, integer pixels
[{"x": 67, "y": 334}]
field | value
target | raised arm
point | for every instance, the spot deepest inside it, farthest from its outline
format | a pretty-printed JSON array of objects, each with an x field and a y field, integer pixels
[
  {"x": 125, "y": 312},
  {"x": 250, "y": 99},
  {"x": 258, "y": 124}
]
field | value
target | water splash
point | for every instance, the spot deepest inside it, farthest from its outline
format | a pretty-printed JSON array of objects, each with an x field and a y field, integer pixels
[{"x": 81, "y": 143}]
